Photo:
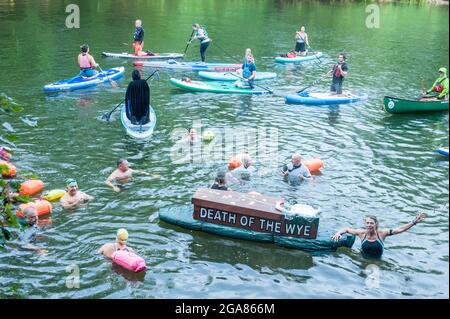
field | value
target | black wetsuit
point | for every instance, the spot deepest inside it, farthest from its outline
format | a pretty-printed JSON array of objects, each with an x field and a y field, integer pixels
[{"x": 137, "y": 101}]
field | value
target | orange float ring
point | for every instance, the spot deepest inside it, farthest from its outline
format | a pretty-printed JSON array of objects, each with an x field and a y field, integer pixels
[
  {"x": 313, "y": 164},
  {"x": 8, "y": 169},
  {"x": 42, "y": 206},
  {"x": 31, "y": 187}
]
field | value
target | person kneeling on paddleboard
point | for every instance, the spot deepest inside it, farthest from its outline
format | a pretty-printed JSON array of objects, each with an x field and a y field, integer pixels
[
  {"x": 137, "y": 100},
  {"x": 248, "y": 73},
  {"x": 440, "y": 86},
  {"x": 87, "y": 62},
  {"x": 340, "y": 70}
]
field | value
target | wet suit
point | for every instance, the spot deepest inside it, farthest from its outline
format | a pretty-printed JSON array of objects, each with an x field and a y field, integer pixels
[{"x": 137, "y": 101}]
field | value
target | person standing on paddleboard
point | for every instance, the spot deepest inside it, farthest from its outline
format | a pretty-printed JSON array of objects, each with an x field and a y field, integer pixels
[
  {"x": 202, "y": 35},
  {"x": 86, "y": 62},
  {"x": 301, "y": 40},
  {"x": 440, "y": 86},
  {"x": 340, "y": 70},
  {"x": 138, "y": 40}
]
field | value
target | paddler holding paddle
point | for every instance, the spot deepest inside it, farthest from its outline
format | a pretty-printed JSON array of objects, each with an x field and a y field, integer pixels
[
  {"x": 137, "y": 100},
  {"x": 248, "y": 72},
  {"x": 87, "y": 62},
  {"x": 440, "y": 86},
  {"x": 202, "y": 35},
  {"x": 339, "y": 71}
]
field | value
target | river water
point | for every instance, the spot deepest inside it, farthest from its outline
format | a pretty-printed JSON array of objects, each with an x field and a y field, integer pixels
[{"x": 375, "y": 163}]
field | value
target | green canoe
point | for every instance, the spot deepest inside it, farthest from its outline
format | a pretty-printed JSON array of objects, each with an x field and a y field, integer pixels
[
  {"x": 216, "y": 87},
  {"x": 397, "y": 105}
]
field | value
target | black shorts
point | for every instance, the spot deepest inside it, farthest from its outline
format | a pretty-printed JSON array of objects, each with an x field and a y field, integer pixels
[
  {"x": 336, "y": 86},
  {"x": 300, "y": 47}
]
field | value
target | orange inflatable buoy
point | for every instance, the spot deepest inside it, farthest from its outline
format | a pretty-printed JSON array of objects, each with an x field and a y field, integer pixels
[
  {"x": 42, "y": 206},
  {"x": 313, "y": 164},
  {"x": 31, "y": 187},
  {"x": 235, "y": 161},
  {"x": 8, "y": 169}
]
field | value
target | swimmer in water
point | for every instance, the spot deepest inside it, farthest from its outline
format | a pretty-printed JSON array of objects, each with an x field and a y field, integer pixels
[
  {"x": 74, "y": 197},
  {"x": 372, "y": 239},
  {"x": 108, "y": 249},
  {"x": 123, "y": 174}
]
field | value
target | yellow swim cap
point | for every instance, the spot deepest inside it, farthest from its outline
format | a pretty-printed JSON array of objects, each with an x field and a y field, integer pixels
[{"x": 122, "y": 234}]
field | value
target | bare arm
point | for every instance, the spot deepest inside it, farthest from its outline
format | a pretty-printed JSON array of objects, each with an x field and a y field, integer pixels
[
  {"x": 306, "y": 40},
  {"x": 347, "y": 230},
  {"x": 136, "y": 171},
  {"x": 389, "y": 232},
  {"x": 93, "y": 63},
  {"x": 109, "y": 181}
]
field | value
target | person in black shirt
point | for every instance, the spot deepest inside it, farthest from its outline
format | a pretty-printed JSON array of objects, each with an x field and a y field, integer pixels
[
  {"x": 138, "y": 40},
  {"x": 340, "y": 70}
]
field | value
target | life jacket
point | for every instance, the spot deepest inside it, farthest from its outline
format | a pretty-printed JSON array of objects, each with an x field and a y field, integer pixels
[
  {"x": 246, "y": 71},
  {"x": 84, "y": 62},
  {"x": 439, "y": 87},
  {"x": 337, "y": 72}
]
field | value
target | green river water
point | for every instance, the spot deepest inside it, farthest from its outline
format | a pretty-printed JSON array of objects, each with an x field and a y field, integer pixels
[{"x": 375, "y": 163}]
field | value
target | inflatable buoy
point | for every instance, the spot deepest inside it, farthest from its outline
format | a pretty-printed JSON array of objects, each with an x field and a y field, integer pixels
[
  {"x": 129, "y": 260},
  {"x": 54, "y": 195},
  {"x": 42, "y": 206},
  {"x": 31, "y": 187},
  {"x": 236, "y": 161},
  {"x": 208, "y": 136},
  {"x": 313, "y": 164},
  {"x": 8, "y": 169}
]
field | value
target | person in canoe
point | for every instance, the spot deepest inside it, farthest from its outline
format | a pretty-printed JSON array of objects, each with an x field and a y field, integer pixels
[
  {"x": 123, "y": 174},
  {"x": 138, "y": 40},
  {"x": 372, "y": 239},
  {"x": 248, "y": 73},
  {"x": 137, "y": 100},
  {"x": 440, "y": 86},
  {"x": 295, "y": 171},
  {"x": 339, "y": 71},
  {"x": 301, "y": 41},
  {"x": 202, "y": 35},
  {"x": 73, "y": 197},
  {"x": 108, "y": 249},
  {"x": 87, "y": 62}
]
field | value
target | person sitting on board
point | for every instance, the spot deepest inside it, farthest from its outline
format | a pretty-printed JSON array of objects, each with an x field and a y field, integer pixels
[
  {"x": 108, "y": 249},
  {"x": 73, "y": 197},
  {"x": 138, "y": 40},
  {"x": 372, "y": 239},
  {"x": 248, "y": 73},
  {"x": 202, "y": 35},
  {"x": 220, "y": 182},
  {"x": 123, "y": 174},
  {"x": 301, "y": 40},
  {"x": 87, "y": 62},
  {"x": 339, "y": 71},
  {"x": 440, "y": 86},
  {"x": 137, "y": 100},
  {"x": 295, "y": 171},
  {"x": 248, "y": 52}
]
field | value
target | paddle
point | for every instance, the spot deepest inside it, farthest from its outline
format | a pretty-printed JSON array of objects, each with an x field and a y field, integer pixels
[
  {"x": 187, "y": 46},
  {"x": 262, "y": 87},
  {"x": 113, "y": 83},
  {"x": 226, "y": 53},
  {"x": 107, "y": 116},
  {"x": 315, "y": 82}
]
